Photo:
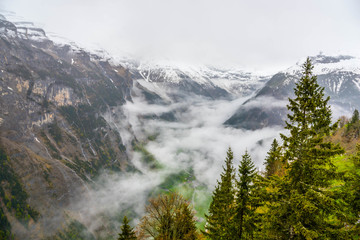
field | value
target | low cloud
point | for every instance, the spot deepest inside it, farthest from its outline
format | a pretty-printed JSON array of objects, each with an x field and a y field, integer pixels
[
  {"x": 267, "y": 102},
  {"x": 113, "y": 194},
  {"x": 258, "y": 35},
  {"x": 198, "y": 140}
]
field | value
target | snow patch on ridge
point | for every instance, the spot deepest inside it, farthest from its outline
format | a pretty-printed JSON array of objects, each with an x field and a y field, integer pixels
[
  {"x": 234, "y": 81},
  {"x": 349, "y": 65},
  {"x": 357, "y": 83},
  {"x": 339, "y": 64}
]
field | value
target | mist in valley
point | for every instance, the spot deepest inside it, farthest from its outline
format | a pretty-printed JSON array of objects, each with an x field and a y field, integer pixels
[
  {"x": 191, "y": 145},
  {"x": 193, "y": 141}
]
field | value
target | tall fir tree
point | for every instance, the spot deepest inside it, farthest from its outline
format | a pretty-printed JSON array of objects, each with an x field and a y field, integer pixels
[
  {"x": 353, "y": 127},
  {"x": 309, "y": 122},
  {"x": 185, "y": 224},
  {"x": 127, "y": 232},
  {"x": 273, "y": 159},
  {"x": 219, "y": 225},
  {"x": 245, "y": 210},
  {"x": 305, "y": 208},
  {"x": 355, "y": 117}
]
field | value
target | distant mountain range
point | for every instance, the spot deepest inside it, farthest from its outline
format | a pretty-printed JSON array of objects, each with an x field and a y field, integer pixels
[
  {"x": 174, "y": 81},
  {"x": 339, "y": 75}
]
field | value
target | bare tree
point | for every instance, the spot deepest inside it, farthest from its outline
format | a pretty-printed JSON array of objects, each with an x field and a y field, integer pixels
[
  {"x": 343, "y": 121},
  {"x": 168, "y": 217}
]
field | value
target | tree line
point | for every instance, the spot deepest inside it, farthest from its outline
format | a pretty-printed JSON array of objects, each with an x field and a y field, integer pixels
[{"x": 301, "y": 195}]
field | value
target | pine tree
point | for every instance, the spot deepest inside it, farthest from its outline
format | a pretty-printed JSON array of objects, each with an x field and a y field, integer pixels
[
  {"x": 185, "y": 223},
  {"x": 127, "y": 232},
  {"x": 221, "y": 212},
  {"x": 308, "y": 124},
  {"x": 272, "y": 161},
  {"x": 355, "y": 117},
  {"x": 304, "y": 205},
  {"x": 244, "y": 219},
  {"x": 353, "y": 127}
]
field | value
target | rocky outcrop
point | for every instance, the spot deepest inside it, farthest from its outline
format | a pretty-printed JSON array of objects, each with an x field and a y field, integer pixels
[{"x": 52, "y": 102}]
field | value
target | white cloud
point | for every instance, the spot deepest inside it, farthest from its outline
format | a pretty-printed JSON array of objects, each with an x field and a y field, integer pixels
[
  {"x": 257, "y": 34},
  {"x": 197, "y": 141}
]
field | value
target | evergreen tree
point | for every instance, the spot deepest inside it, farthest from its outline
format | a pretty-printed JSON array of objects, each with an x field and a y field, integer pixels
[
  {"x": 185, "y": 223},
  {"x": 304, "y": 205},
  {"x": 245, "y": 211},
  {"x": 355, "y": 117},
  {"x": 222, "y": 208},
  {"x": 5, "y": 227},
  {"x": 310, "y": 121},
  {"x": 272, "y": 161},
  {"x": 353, "y": 127},
  {"x": 127, "y": 232}
]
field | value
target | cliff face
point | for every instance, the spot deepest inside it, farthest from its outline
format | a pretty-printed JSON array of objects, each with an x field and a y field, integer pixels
[{"x": 52, "y": 102}]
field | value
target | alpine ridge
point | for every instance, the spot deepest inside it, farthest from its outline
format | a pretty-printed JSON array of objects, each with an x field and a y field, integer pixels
[{"x": 340, "y": 75}]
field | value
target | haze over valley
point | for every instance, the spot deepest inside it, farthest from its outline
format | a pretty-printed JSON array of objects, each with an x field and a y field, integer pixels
[{"x": 91, "y": 134}]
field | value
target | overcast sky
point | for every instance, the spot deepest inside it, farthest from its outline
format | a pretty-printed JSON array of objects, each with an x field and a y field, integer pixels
[{"x": 260, "y": 35}]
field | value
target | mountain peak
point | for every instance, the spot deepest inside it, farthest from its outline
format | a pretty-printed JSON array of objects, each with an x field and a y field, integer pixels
[{"x": 325, "y": 64}]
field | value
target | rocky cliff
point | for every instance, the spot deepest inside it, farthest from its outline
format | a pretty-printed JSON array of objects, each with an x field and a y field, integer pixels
[{"x": 54, "y": 137}]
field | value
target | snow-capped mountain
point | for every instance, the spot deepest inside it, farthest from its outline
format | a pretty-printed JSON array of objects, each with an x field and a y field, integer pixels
[
  {"x": 21, "y": 29},
  {"x": 68, "y": 114},
  {"x": 172, "y": 81},
  {"x": 328, "y": 64},
  {"x": 168, "y": 80},
  {"x": 340, "y": 75}
]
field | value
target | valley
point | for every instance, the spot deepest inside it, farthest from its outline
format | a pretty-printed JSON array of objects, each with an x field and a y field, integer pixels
[{"x": 91, "y": 139}]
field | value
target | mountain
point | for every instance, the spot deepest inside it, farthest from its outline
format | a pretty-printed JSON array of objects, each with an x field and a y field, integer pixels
[
  {"x": 175, "y": 82},
  {"x": 63, "y": 125},
  {"x": 53, "y": 103},
  {"x": 71, "y": 119},
  {"x": 339, "y": 75}
]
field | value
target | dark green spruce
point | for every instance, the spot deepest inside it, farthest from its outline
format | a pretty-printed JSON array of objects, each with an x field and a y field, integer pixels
[
  {"x": 245, "y": 211},
  {"x": 272, "y": 160},
  {"x": 127, "y": 232},
  {"x": 305, "y": 207},
  {"x": 355, "y": 117},
  {"x": 353, "y": 127},
  {"x": 222, "y": 208}
]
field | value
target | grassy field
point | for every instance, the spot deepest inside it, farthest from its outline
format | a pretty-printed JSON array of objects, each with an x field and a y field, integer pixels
[{"x": 186, "y": 184}]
